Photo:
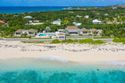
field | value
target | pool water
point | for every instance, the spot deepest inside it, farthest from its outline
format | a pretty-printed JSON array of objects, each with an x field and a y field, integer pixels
[{"x": 42, "y": 35}]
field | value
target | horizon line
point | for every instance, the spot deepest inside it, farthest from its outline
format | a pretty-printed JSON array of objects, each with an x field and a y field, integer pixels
[{"x": 62, "y": 5}]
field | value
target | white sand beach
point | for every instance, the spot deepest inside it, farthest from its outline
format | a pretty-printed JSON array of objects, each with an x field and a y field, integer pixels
[{"x": 81, "y": 53}]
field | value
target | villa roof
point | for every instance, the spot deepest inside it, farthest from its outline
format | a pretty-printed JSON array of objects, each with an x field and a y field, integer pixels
[
  {"x": 30, "y": 30},
  {"x": 96, "y": 21},
  {"x": 72, "y": 28},
  {"x": 61, "y": 30},
  {"x": 2, "y": 22},
  {"x": 84, "y": 29},
  {"x": 94, "y": 30},
  {"x": 61, "y": 33},
  {"x": 19, "y": 30}
]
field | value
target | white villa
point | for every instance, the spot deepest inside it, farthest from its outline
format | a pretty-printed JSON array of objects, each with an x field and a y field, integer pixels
[
  {"x": 78, "y": 16},
  {"x": 34, "y": 22},
  {"x": 3, "y": 23},
  {"x": 106, "y": 14},
  {"x": 90, "y": 32},
  {"x": 86, "y": 16},
  {"x": 28, "y": 17},
  {"x": 57, "y": 22},
  {"x": 61, "y": 30},
  {"x": 96, "y": 21},
  {"x": 60, "y": 35},
  {"x": 77, "y": 23},
  {"x": 21, "y": 32},
  {"x": 72, "y": 30}
]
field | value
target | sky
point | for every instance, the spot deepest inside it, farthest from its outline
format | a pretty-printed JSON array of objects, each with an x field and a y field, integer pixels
[{"x": 60, "y": 2}]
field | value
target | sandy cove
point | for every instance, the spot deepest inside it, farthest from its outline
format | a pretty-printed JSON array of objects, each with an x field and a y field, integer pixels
[{"x": 63, "y": 52}]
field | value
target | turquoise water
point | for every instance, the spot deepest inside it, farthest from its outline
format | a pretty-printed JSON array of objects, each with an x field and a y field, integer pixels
[
  {"x": 46, "y": 34},
  {"x": 39, "y": 71},
  {"x": 42, "y": 35},
  {"x": 32, "y": 76}
]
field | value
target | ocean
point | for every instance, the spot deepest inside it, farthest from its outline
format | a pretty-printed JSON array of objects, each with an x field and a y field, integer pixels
[
  {"x": 13, "y": 10},
  {"x": 40, "y": 71}
]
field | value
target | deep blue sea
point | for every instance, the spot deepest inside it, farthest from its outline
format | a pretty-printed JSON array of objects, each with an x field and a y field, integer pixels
[
  {"x": 12, "y": 10},
  {"x": 40, "y": 71}
]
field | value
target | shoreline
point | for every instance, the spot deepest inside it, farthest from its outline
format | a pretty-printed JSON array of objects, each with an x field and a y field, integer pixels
[{"x": 76, "y": 53}]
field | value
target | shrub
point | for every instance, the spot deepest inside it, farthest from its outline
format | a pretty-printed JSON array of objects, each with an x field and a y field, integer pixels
[
  {"x": 85, "y": 41},
  {"x": 98, "y": 42},
  {"x": 56, "y": 41},
  {"x": 119, "y": 40},
  {"x": 91, "y": 41},
  {"x": 69, "y": 41}
]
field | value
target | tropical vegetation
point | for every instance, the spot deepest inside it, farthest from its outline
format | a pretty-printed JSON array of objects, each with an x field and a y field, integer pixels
[
  {"x": 82, "y": 41},
  {"x": 113, "y": 20}
]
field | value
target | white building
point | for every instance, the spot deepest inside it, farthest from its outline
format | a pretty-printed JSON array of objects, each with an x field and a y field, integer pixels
[
  {"x": 21, "y": 32},
  {"x": 72, "y": 30},
  {"x": 86, "y": 16},
  {"x": 34, "y": 22},
  {"x": 106, "y": 14},
  {"x": 96, "y": 21},
  {"x": 28, "y": 17},
  {"x": 78, "y": 16},
  {"x": 60, "y": 35},
  {"x": 62, "y": 30},
  {"x": 57, "y": 22},
  {"x": 87, "y": 32},
  {"x": 77, "y": 23}
]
